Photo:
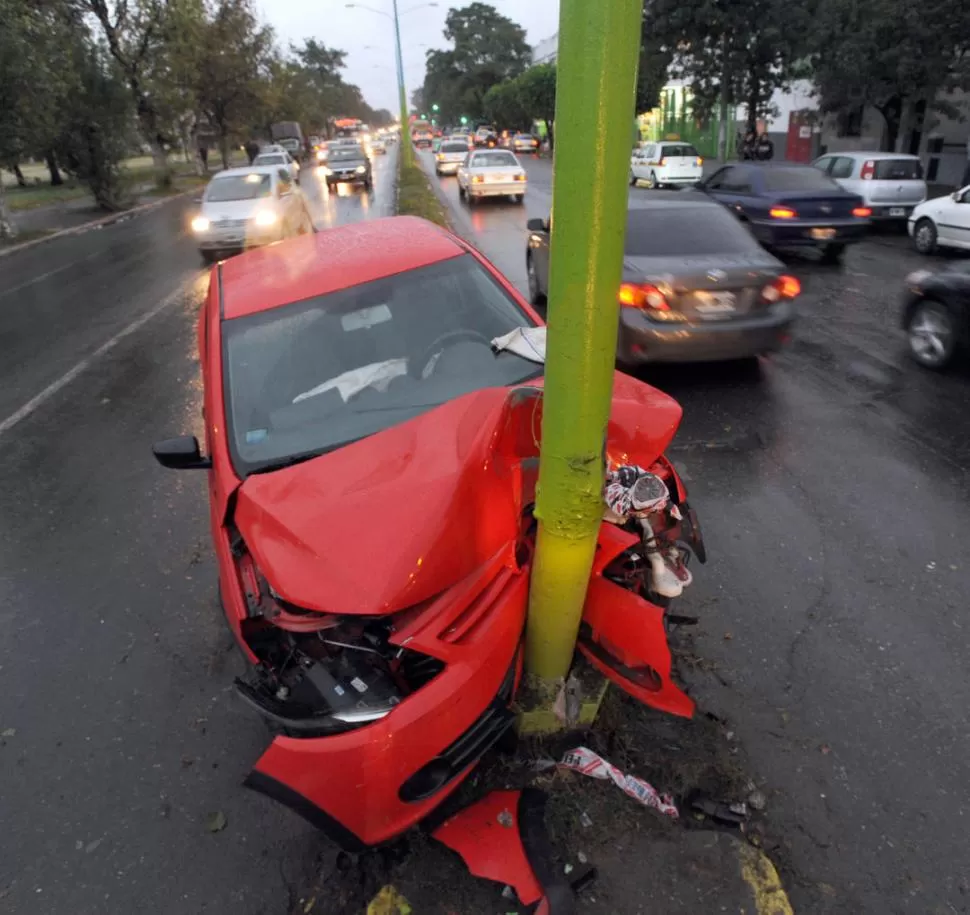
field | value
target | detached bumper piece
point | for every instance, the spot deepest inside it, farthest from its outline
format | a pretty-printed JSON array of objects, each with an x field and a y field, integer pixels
[{"x": 502, "y": 837}]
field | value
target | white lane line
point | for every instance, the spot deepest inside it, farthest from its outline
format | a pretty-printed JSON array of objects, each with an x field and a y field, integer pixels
[
  {"x": 43, "y": 276},
  {"x": 40, "y": 399}
]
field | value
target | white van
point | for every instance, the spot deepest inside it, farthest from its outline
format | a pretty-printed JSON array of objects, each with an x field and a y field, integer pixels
[
  {"x": 890, "y": 184},
  {"x": 670, "y": 162}
]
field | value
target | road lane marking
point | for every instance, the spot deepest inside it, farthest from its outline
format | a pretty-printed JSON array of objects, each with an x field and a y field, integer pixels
[
  {"x": 40, "y": 399},
  {"x": 50, "y": 273}
]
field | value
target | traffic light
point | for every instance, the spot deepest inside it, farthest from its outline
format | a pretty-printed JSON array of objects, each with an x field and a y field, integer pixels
[
  {"x": 434, "y": 107},
  {"x": 464, "y": 120}
]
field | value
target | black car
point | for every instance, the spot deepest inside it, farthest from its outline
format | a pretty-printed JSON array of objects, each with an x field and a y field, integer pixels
[
  {"x": 936, "y": 314},
  {"x": 696, "y": 285},
  {"x": 785, "y": 204},
  {"x": 348, "y": 163}
]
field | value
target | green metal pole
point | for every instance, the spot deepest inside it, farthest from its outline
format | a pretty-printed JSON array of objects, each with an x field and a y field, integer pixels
[
  {"x": 407, "y": 150},
  {"x": 595, "y": 96}
]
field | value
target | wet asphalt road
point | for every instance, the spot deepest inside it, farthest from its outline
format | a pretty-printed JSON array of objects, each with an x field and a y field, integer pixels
[
  {"x": 832, "y": 483},
  {"x": 118, "y": 731}
]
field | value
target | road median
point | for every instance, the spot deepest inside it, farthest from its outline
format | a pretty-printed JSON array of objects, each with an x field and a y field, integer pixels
[{"x": 415, "y": 196}]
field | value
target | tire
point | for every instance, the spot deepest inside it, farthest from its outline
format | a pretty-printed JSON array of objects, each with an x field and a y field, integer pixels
[
  {"x": 472, "y": 200},
  {"x": 437, "y": 172},
  {"x": 633, "y": 179},
  {"x": 924, "y": 236},
  {"x": 832, "y": 253},
  {"x": 652, "y": 182},
  {"x": 461, "y": 192},
  {"x": 931, "y": 334},
  {"x": 519, "y": 198},
  {"x": 536, "y": 296}
]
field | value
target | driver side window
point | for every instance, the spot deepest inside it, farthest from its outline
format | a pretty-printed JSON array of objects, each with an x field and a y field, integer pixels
[{"x": 715, "y": 182}]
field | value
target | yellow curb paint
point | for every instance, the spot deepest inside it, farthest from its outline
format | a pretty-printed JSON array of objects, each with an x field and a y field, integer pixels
[
  {"x": 389, "y": 902},
  {"x": 759, "y": 873}
]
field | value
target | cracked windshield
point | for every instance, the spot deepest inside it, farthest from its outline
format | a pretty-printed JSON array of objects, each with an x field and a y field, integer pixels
[{"x": 445, "y": 544}]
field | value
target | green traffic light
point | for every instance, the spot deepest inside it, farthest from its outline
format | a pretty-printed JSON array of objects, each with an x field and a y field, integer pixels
[
  {"x": 434, "y": 107},
  {"x": 464, "y": 120}
]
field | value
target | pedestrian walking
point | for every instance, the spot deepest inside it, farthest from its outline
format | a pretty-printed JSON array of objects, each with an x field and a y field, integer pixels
[{"x": 252, "y": 150}]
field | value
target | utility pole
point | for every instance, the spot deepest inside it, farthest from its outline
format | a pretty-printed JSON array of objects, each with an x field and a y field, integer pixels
[
  {"x": 595, "y": 96},
  {"x": 723, "y": 103},
  {"x": 407, "y": 151}
]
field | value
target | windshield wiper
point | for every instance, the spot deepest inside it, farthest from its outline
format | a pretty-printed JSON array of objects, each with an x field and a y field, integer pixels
[{"x": 293, "y": 459}]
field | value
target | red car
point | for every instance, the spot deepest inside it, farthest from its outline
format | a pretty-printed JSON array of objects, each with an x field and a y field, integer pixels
[{"x": 372, "y": 462}]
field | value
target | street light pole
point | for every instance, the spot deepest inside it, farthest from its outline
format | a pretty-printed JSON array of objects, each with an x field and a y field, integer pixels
[{"x": 407, "y": 151}]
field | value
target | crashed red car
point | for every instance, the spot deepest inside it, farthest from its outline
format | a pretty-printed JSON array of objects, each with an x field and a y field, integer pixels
[{"x": 372, "y": 460}]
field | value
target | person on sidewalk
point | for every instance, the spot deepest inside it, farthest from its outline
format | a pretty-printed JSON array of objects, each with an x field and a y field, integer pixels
[{"x": 252, "y": 150}]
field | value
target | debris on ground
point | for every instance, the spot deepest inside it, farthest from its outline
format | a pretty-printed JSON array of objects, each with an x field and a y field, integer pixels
[
  {"x": 585, "y": 761},
  {"x": 216, "y": 821},
  {"x": 726, "y": 814},
  {"x": 388, "y": 902}
]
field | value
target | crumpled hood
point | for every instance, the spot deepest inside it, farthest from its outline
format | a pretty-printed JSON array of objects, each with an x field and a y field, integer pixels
[{"x": 386, "y": 522}]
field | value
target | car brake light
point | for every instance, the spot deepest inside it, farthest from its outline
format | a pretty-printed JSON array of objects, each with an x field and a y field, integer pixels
[
  {"x": 662, "y": 162},
  {"x": 518, "y": 177},
  {"x": 862, "y": 212},
  {"x": 782, "y": 213},
  {"x": 699, "y": 162},
  {"x": 784, "y": 287},
  {"x": 868, "y": 170},
  {"x": 477, "y": 179},
  {"x": 645, "y": 297},
  {"x": 439, "y": 157}
]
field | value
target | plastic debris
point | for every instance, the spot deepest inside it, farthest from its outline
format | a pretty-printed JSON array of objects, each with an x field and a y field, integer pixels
[
  {"x": 757, "y": 800},
  {"x": 568, "y": 701},
  {"x": 543, "y": 765},
  {"x": 389, "y": 902},
  {"x": 581, "y": 857},
  {"x": 585, "y": 761},
  {"x": 568, "y": 869},
  {"x": 585, "y": 819},
  {"x": 216, "y": 822},
  {"x": 726, "y": 814}
]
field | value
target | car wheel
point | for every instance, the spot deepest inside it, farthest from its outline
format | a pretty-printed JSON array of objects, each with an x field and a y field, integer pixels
[
  {"x": 633, "y": 179},
  {"x": 832, "y": 253},
  {"x": 519, "y": 198},
  {"x": 652, "y": 182},
  {"x": 924, "y": 236},
  {"x": 471, "y": 199},
  {"x": 930, "y": 332},
  {"x": 461, "y": 191},
  {"x": 536, "y": 296}
]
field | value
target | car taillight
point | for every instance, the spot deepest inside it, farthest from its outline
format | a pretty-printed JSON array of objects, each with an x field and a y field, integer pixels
[
  {"x": 518, "y": 177},
  {"x": 784, "y": 287},
  {"x": 868, "y": 170},
  {"x": 699, "y": 162},
  {"x": 645, "y": 297},
  {"x": 477, "y": 179},
  {"x": 662, "y": 162},
  {"x": 440, "y": 157},
  {"x": 782, "y": 213},
  {"x": 862, "y": 212}
]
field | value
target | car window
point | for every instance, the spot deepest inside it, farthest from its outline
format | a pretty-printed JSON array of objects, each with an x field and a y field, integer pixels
[
  {"x": 679, "y": 150},
  {"x": 320, "y": 373},
  {"x": 823, "y": 164},
  {"x": 715, "y": 181},
  {"x": 898, "y": 170},
  {"x": 736, "y": 180},
  {"x": 239, "y": 187},
  {"x": 497, "y": 159},
  {"x": 269, "y": 160},
  {"x": 684, "y": 231},
  {"x": 346, "y": 152},
  {"x": 649, "y": 151},
  {"x": 801, "y": 178},
  {"x": 454, "y": 147},
  {"x": 842, "y": 167}
]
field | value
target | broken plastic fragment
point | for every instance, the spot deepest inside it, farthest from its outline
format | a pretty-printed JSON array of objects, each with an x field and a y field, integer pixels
[
  {"x": 527, "y": 342},
  {"x": 592, "y": 764}
]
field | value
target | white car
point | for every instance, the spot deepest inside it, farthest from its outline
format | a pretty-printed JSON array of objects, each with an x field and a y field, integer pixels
[
  {"x": 248, "y": 207},
  {"x": 282, "y": 159},
  {"x": 669, "y": 163},
  {"x": 491, "y": 173},
  {"x": 943, "y": 222},
  {"x": 524, "y": 142},
  {"x": 450, "y": 156},
  {"x": 890, "y": 184}
]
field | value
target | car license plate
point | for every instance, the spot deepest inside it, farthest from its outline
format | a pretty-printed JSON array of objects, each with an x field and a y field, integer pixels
[
  {"x": 897, "y": 211},
  {"x": 715, "y": 304},
  {"x": 497, "y": 178},
  {"x": 823, "y": 233}
]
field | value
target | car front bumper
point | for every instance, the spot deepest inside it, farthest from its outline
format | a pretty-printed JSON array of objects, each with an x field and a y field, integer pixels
[
  {"x": 347, "y": 177},
  {"x": 503, "y": 189},
  {"x": 449, "y": 167},
  {"x": 249, "y": 238},
  {"x": 798, "y": 232},
  {"x": 642, "y": 340}
]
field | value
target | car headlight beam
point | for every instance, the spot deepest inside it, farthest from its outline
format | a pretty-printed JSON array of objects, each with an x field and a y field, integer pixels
[
  {"x": 360, "y": 169},
  {"x": 200, "y": 224},
  {"x": 265, "y": 218}
]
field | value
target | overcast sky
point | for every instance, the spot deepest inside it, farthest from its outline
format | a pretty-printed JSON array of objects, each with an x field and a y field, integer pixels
[{"x": 368, "y": 38}]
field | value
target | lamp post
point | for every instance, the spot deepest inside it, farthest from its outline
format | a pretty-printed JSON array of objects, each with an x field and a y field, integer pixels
[{"x": 406, "y": 149}]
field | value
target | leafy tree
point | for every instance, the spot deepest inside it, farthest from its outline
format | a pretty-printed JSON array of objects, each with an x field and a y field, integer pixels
[
  {"x": 487, "y": 48},
  {"x": 537, "y": 91},
  {"x": 896, "y": 56},
  {"x": 504, "y": 108}
]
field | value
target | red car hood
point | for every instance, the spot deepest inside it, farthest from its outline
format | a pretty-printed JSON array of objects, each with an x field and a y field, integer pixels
[{"x": 395, "y": 518}]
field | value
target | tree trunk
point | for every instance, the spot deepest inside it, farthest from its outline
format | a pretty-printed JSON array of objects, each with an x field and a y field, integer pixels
[
  {"x": 21, "y": 180},
  {"x": 163, "y": 174},
  {"x": 754, "y": 97},
  {"x": 224, "y": 148},
  {"x": 8, "y": 231},
  {"x": 904, "y": 127},
  {"x": 51, "y": 160}
]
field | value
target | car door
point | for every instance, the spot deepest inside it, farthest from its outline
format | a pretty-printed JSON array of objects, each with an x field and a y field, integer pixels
[
  {"x": 731, "y": 186},
  {"x": 952, "y": 218},
  {"x": 841, "y": 171},
  {"x": 647, "y": 155}
]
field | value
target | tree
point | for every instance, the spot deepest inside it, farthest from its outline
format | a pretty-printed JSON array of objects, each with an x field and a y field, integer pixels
[
  {"x": 504, "y": 107},
  {"x": 234, "y": 54},
  {"x": 898, "y": 57},
  {"x": 537, "y": 91},
  {"x": 487, "y": 48}
]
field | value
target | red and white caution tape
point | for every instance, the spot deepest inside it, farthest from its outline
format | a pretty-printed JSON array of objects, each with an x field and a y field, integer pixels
[{"x": 592, "y": 764}]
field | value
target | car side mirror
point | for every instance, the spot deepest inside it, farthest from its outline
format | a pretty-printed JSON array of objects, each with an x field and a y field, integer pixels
[
  {"x": 182, "y": 453},
  {"x": 537, "y": 225}
]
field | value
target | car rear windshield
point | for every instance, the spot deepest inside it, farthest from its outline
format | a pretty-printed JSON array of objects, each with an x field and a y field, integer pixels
[
  {"x": 269, "y": 160},
  {"x": 524, "y": 136},
  {"x": 311, "y": 376},
  {"x": 346, "y": 152},
  {"x": 495, "y": 159},
  {"x": 682, "y": 149},
  {"x": 454, "y": 147},
  {"x": 898, "y": 170},
  {"x": 239, "y": 187},
  {"x": 804, "y": 178},
  {"x": 680, "y": 231}
]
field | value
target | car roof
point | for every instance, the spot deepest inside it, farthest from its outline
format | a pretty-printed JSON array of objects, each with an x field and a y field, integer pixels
[
  {"x": 862, "y": 154},
  {"x": 247, "y": 170},
  {"x": 324, "y": 262},
  {"x": 658, "y": 200}
]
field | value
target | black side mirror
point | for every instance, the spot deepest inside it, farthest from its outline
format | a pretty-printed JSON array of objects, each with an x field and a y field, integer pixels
[
  {"x": 182, "y": 453},
  {"x": 537, "y": 225}
]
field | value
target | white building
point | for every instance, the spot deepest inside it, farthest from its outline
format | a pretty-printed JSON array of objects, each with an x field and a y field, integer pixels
[{"x": 546, "y": 51}]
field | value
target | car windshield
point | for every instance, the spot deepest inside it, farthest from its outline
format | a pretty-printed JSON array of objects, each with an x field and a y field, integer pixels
[
  {"x": 680, "y": 150},
  {"x": 675, "y": 231},
  {"x": 346, "y": 152},
  {"x": 454, "y": 147},
  {"x": 495, "y": 159},
  {"x": 898, "y": 170},
  {"x": 523, "y": 136},
  {"x": 309, "y": 377},
  {"x": 805, "y": 178},
  {"x": 239, "y": 187},
  {"x": 269, "y": 160}
]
